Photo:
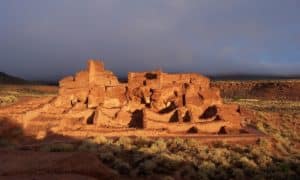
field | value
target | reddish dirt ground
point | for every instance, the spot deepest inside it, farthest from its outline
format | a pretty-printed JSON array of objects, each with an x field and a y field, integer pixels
[{"x": 45, "y": 165}]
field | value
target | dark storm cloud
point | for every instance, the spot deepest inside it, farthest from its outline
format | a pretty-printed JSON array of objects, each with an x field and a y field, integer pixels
[{"x": 48, "y": 39}]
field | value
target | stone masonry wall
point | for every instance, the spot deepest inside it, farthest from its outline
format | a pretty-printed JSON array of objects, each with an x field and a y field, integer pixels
[{"x": 150, "y": 100}]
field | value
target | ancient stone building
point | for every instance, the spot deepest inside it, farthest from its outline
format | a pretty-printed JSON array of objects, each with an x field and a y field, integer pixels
[{"x": 154, "y": 101}]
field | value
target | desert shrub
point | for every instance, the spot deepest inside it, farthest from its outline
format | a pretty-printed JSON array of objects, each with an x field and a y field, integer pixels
[
  {"x": 116, "y": 150},
  {"x": 137, "y": 158},
  {"x": 280, "y": 147},
  {"x": 106, "y": 157},
  {"x": 142, "y": 142},
  {"x": 165, "y": 164},
  {"x": 192, "y": 143},
  {"x": 202, "y": 175},
  {"x": 124, "y": 142},
  {"x": 236, "y": 98},
  {"x": 219, "y": 156},
  {"x": 202, "y": 152},
  {"x": 167, "y": 178},
  {"x": 58, "y": 147},
  {"x": 208, "y": 167},
  {"x": 147, "y": 157},
  {"x": 88, "y": 145},
  {"x": 221, "y": 174},
  {"x": 4, "y": 142},
  {"x": 4, "y": 100},
  {"x": 146, "y": 167},
  {"x": 99, "y": 140},
  {"x": 248, "y": 165},
  {"x": 238, "y": 173},
  {"x": 263, "y": 143},
  {"x": 260, "y": 126},
  {"x": 121, "y": 166},
  {"x": 189, "y": 172},
  {"x": 260, "y": 157},
  {"x": 177, "y": 144},
  {"x": 158, "y": 146}
]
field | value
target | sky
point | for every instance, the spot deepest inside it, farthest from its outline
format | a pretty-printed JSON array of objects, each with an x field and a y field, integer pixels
[{"x": 46, "y": 40}]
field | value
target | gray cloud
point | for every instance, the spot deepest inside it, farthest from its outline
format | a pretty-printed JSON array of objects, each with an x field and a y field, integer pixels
[{"x": 54, "y": 38}]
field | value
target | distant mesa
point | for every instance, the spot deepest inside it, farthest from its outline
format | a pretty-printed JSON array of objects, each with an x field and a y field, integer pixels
[
  {"x": 93, "y": 101},
  {"x": 8, "y": 79}
]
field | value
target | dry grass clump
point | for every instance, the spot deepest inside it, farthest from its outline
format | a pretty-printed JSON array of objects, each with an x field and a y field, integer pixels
[{"x": 8, "y": 99}]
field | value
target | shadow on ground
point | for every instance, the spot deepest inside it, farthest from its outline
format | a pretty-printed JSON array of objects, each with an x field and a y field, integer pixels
[{"x": 60, "y": 157}]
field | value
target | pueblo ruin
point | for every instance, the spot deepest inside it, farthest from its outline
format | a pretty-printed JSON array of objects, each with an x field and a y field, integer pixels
[{"x": 94, "y": 101}]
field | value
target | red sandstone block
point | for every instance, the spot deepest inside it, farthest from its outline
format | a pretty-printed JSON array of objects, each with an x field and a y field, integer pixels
[
  {"x": 95, "y": 65},
  {"x": 230, "y": 113},
  {"x": 66, "y": 80},
  {"x": 82, "y": 76},
  {"x": 105, "y": 80},
  {"x": 79, "y": 93},
  {"x": 116, "y": 92},
  {"x": 154, "y": 84},
  {"x": 74, "y": 84},
  {"x": 96, "y": 96}
]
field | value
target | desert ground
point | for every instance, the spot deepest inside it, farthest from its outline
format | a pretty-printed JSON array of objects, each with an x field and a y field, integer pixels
[{"x": 271, "y": 107}]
